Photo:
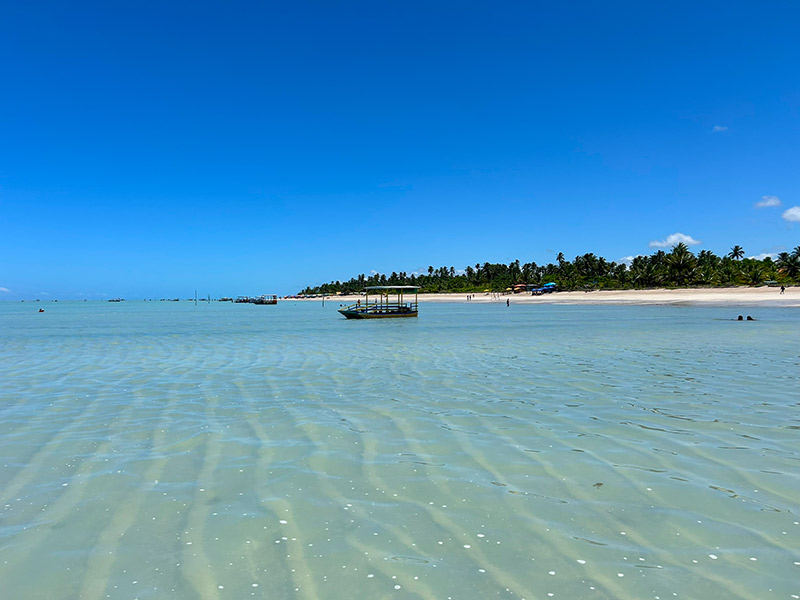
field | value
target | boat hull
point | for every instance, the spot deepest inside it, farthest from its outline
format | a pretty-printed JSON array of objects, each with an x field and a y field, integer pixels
[{"x": 356, "y": 314}]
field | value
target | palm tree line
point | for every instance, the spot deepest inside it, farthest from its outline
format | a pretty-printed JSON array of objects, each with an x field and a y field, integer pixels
[{"x": 677, "y": 268}]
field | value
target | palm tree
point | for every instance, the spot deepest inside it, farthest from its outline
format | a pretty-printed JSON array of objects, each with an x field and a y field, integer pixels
[
  {"x": 470, "y": 273},
  {"x": 528, "y": 269},
  {"x": 753, "y": 271},
  {"x": 728, "y": 271},
  {"x": 569, "y": 279},
  {"x": 706, "y": 273},
  {"x": 589, "y": 266},
  {"x": 619, "y": 272},
  {"x": 681, "y": 264},
  {"x": 789, "y": 264},
  {"x": 603, "y": 268},
  {"x": 576, "y": 266},
  {"x": 706, "y": 257},
  {"x": 638, "y": 270},
  {"x": 536, "y": 274},
  {"x": 514, "y": 270},
  {"x": 736, "y": 253}
]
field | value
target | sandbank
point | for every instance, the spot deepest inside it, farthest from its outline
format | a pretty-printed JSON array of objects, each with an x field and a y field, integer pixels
[{"x": 733, "y": 296}]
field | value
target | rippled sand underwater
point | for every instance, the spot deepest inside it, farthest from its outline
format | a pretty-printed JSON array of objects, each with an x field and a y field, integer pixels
[{"x": 166, "y": 450}]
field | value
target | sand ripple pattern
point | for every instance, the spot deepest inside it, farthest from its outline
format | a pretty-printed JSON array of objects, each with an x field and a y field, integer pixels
[{"x": 154, "y": 450}]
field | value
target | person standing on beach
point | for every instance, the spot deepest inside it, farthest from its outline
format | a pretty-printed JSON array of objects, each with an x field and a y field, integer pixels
[{"x": 783, "y": 288}]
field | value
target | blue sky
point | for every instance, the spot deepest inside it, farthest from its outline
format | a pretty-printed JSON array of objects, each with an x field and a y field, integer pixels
[{"x": 149, "y": 149}]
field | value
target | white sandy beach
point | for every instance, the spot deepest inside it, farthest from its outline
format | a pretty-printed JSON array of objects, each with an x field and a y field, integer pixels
[{"x": 734, "y": 296}]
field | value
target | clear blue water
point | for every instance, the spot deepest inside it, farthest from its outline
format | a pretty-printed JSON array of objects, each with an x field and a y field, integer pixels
[{"x": 166, "y": 450}]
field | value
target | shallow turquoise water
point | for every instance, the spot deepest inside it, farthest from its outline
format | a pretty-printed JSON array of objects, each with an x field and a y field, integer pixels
[{"x": 166, "y": 450}]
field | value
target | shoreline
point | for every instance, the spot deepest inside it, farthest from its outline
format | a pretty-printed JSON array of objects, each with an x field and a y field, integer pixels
[{"x": 738, "y": 296}]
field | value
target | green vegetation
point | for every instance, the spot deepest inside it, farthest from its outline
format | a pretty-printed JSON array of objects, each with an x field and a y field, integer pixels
[{"x": 677, "y": 268}]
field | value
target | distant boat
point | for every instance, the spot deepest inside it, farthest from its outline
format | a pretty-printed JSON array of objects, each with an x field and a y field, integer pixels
[
  {"x": 390, "y": 303},
  {"x": 116, "y": 299},
  {"x": 265, "y": 299},
  {"x": 242, "y": 300}
]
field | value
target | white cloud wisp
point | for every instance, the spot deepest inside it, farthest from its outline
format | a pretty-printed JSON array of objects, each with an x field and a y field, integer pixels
[
  {"x": 792, "y": 214},
  {"x": 628, "y": 260},
  {"x": 768, "y": 201},
  {"x": 674, "y": 240},
  {"x": 763, "y": 255}
]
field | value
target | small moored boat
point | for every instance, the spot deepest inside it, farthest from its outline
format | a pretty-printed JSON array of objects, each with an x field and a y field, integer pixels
[
  {"x": 265, "y": 299},
  {"x": 390, "y": 303}
]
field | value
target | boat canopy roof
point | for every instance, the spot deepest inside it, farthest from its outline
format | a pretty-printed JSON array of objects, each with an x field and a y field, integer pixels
[{"x": 392, "y": 287}]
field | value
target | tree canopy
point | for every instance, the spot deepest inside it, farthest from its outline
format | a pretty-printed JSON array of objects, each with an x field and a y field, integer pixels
[{"x": 677, "y": 268}]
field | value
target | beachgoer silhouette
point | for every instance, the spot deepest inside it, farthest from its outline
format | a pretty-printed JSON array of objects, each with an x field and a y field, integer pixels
[
  {"x": 749, "y": 318},
  {"x": 783, "y": 288},
  {"x": 508, "y": 303},
  {"x": 740, "y": 318}
]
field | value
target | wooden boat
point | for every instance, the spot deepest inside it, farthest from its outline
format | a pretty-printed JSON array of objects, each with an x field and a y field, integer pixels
[
  {"x": 265, "y": 299},
  {"x": 389, "y": 303}
]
